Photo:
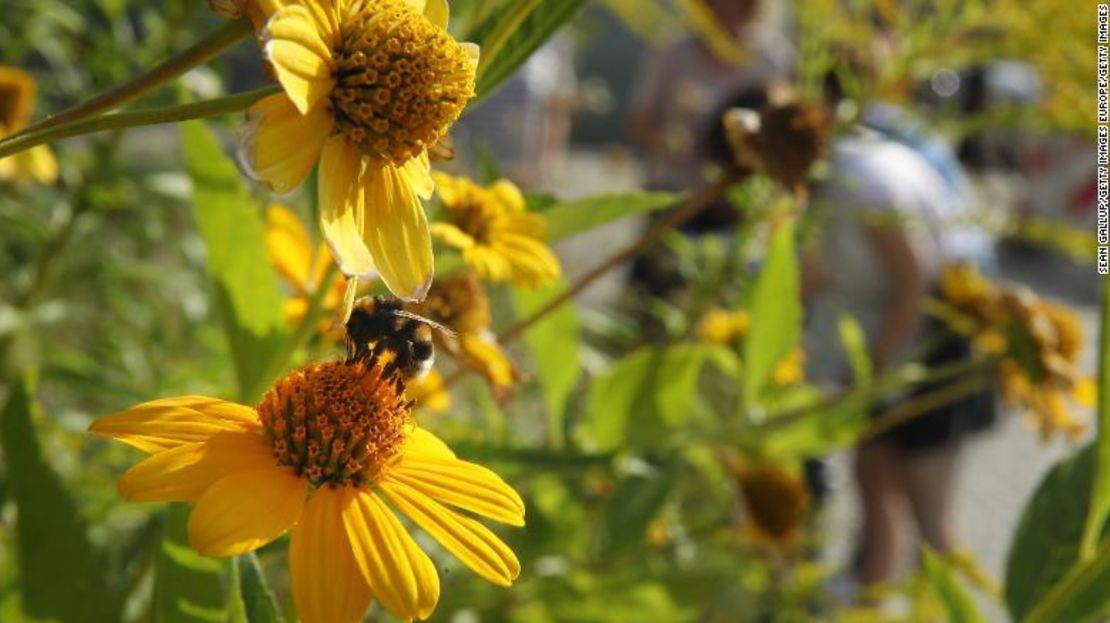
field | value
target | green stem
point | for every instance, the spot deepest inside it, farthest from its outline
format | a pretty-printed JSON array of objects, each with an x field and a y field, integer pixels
[
  {"x": 1078, "y": 578},
  {"x": 500, "y": 35},
  {"x": 205, "y": 50},
  {"x": 153, "y": 116},
  {"x": 924, "y": 403}
]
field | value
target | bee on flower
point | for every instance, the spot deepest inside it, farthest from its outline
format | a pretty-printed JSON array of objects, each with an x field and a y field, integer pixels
[
  {"x": 330, "y": 454},
  {"x": 498, "y": 238},
  {"x": 369, "y": 86},
  {"x": 17, "y": 103}
]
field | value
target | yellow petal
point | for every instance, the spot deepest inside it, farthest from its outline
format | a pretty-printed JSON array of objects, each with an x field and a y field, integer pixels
[
  {"x": 289, "y": 247},
  {"x": 326, "y": 583},
  {"x": 299, "y": 41},
  {"x": 1085, "y": 392},
  {"x": 38, "y": 164},
  {"x": 469, "y": 541},
  {"x": 424, "y": 443},
  {"x": 163, "y": 424},
  {"x": 508, "y": 195},
  {"x": 342, "y": 213},
  {"x": 437, "y": 12},
  {"x": 401, "y": 576},
  {"x": 417, "y": 173},
  {"x": 246, "y": 510},
  {"x": 396, "y": 232},
  {"x": 486, "y": 356},
  {"x": 448, "y": 187},
  {"x": 452, "y": 236},
  {"x": 278, "y": 146},
  {"x": 462, "y": 484},
  {"x": 183, "y": 473}
]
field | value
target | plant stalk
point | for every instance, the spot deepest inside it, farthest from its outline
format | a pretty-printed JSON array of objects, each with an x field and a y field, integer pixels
[
  {"x": 203, "y": 51},
  {"x": 153, "y": 116}
]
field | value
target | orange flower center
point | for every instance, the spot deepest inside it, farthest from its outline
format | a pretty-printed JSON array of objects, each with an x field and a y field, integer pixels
[
  {"x": 402, "y": 81},
  {"x": 337, "y": 423}
]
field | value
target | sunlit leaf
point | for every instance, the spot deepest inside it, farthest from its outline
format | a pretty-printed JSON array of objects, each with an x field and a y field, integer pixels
[
  {"x": 1100, "y": 494},
  {"x": 258, "y": 600},
  {"x": 189, "y": 588},
  {"x": 776, "y": 312},
  {"x": 554, "y": 345},
  {"x": 535, "y": 29},
  {"x": 61, "y": 574},
  {"x": 957, "y": 602},
  {"x": 245, "y": 288},
  {"x": 571, "y": 217},
  {"x": 1045, "y": 545}
]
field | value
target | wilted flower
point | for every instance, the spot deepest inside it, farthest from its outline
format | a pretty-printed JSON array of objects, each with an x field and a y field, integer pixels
[
  {"x": 491, "y": 226},
  {"x": 319, "y": 456},
  {"x": 17, "y": 102},
  {"x": 783, "y": 141},
  {"x": 369, "y": 87},
  {"x": 775, "y": 499}
]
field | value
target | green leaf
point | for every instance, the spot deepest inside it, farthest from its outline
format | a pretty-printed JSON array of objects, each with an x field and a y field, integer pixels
[
  {"x": 554, "y": 345},
  {"x": 636, "y": 500},
  {"x": 512, "y": 33},
  {"x": 1045, "y": 545},
  {"x": 246, "y": 289},
  {"x": 1100, "y": 493},
  {"x": 568, "y": 218},
  {"x": 257, "y": 597},
  {"x": 776, "y": 312},
  {"x": 959, "y": 605},
  {"x": 188, "y": 587},
  {"x": 655, "y": 387},
  {"x": 855, "y": 347},
  {"x": 60, "y": 573}
]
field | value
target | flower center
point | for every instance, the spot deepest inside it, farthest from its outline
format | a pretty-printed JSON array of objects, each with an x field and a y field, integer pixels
[
  {"x": 474, "y": 219},
  {"x": 401, "y": 80},
  {"x": 337, "y": 423}
]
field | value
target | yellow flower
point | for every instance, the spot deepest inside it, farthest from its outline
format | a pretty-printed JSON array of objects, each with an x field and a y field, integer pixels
[
  {"x": 17, "y": 102},
  {"x": 719, "y": 326},
  {"x": 460, "y": 304},
  {"x": 790, "y": 370},
  {"x": 498, "y": 238},
  {"x": 324, "y": 450},
  {"x": 430, "y": 392},
  {"x": 369, "y": 86},
  {"x": 291, "y": 253}
]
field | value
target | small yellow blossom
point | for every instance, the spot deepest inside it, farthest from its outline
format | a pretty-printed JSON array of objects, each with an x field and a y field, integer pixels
[
  {"x": 299, "y": 263},
  {"x": 17, "y": 102},
  {"x": 369, "y": 86},
  {"x": 719, "y": 326},
  {"x": 460, "y": 304},
  {"x": 790, "y": 370},
  {"x": 320, "y": 456},
  {"x": 491, "y": 226}
]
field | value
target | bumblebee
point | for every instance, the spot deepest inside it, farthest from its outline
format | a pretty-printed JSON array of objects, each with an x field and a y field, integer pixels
[{"x": 380, "y": 327}]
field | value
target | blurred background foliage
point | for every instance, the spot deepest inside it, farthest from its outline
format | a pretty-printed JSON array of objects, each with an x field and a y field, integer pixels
[{"x": 660, "y": 470}]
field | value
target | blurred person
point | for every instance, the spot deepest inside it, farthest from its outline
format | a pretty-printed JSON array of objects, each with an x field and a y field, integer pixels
[
  {"x": 678, "y": 94},
  {"x": 891, "y": 220}
]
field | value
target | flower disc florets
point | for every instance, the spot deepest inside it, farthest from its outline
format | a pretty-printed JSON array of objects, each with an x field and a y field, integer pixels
[
  {"x": 401, "y": 80},
  {"x": 337, "y": 423}
]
